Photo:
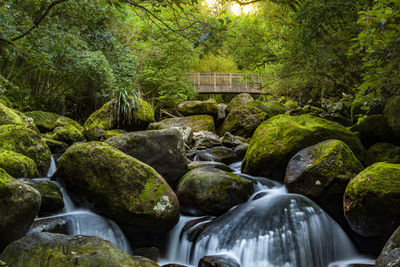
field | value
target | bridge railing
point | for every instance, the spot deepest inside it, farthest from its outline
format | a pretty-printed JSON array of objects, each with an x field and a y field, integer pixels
[{"x": 223, "y": 83}]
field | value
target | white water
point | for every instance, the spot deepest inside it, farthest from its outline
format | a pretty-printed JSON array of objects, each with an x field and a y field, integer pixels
[
  {"x": 272, "y": 229},
  {"x": 82, "y": 221}
]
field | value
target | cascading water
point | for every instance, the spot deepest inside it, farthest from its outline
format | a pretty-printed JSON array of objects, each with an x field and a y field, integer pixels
[
  {"x": 82, "y": 221},
  {"x": 273, "y": 228}
]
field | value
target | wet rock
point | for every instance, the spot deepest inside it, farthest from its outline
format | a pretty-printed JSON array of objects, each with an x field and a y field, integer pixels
[
  {"x": 221, "y": 113},
  {"x": 119, "y": 187},
  {"x": 214, "y": 164},
  {"x": 241, "y": 150},
  {"x": 197, "y": 107},
  {"x": 187, "y": 134},
  {"x": 229, "y": 140},
  {"x": 219, "y": 154},
  {"x": 57, "y": 225},
  {"x": 52, "y": 199},
  {"x": 56, "y": 147},
  {"x": 212, "y": 191},
  {"x": 164, "y": 150},
  {"x": 196, "y": 122},
  {"x": 390, "y": 255},
  {"x": 218, "y": 261},
  {"x": 371, "y": 201},
  {"x": 278, "y": 139},
  {"x": 17, "y": 165},
  {"x": 151, "y": 253},
  {"x": 19, "y": 206},
  {"x": 383, "y": 152},
  {"x": 48, "y": 249},
  {"x": 204, "y": 140}
]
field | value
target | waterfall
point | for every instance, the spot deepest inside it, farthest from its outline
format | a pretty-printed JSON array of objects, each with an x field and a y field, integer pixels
[
  {"x": 81, "y": 221},
  {"x": 273, "y": 228}
]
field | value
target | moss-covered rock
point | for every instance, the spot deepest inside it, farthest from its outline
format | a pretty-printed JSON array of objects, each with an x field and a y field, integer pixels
[
  {"x": 48, "y": 249},
  {"x": 19, "y": 205},
  {"x": 212, "y": 191},
  {"x": 278, "y": 139},
  {"x": 392, "y": 113},
  {"x": 383, "y": 152},
  {"x": 196, "y": 122},
  {"x": 291, "y": 104},
  {"x": 9, "y": 116},
  {"x": 197, "y": 107},
  {"x": 111, "y": 133},
  {"x": 372, "y": 200},
  {"x": 238, "y": 101},
  {"x": 366, "y": 105},
  {"x": 56, "y": 147},
  {"x": 29, "y": 122},
  {"x": 119, "y": 186},
  {"x": 322, "y": 172},
  {"x": 68, "y": 134},
  {"x": 218, "y": 165},
  {"x": 17, "y": 165},
  {"x": 26, "y": 142},
  {"x": 242, "y": 121},
  {"x": 229, "y": 140},
  {"x": 52, "y": 198},
  {"x": 203, "y": 140},
  {"x": 221, "y": 260},
  {"x": 373, "y": 129},
  {"x": 106, "y": 118},
  {"x": 390, "y": 255},
  {"x": 164, "y": 150},
  {"x": 272, "y": 108},
  {"x": 45, "y": 121}
]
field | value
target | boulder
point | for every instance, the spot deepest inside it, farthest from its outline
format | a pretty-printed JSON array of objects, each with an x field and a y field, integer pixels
[
  {"x": 221, "y": 260},
  {"x": 366, "y": 105},
  {"x": 278, "y": 139},
  {"x": 392, "y": 114},
  {"x": 221, "y": 113},
  {"x": 68, "y": 134},
  {"x": 196, "y": 122},
  {"x": 164, "y": 150},
  {"x": 390, "y": 255},
  {"x": 151, "y": 253},
  {"x": 52, "y": 198},
  {"x": 106, "y": 118},
  {"x": 321, "y": 172},
  {"x": 56, "y": 224},
  {"x": 241, "y": 150},
  {"x": 229, "y": 140},
  {"x": 197, "y": 107},
  {"x": 17, "y": 165},
  {"x": 238, "y": 101},
  {"x": 26, "y": 142},
  {"x": 372, "y": 199},
  {"x": 45, "y": 121},
  {"x": 48, "y": 249},
  {"x": 56, "y": 147},
  {"x": 111, "y": 133},
  {"x": 383, "y": 152},
  {"x": 218, "y": 165},
  {"x": 212, "y": 191},
  {"x": 272, "y": 108},
  {"x": 373, "y": 129},
  {"x": 19, "y": 206},
  {"x": 219, "y": 154},
  {"x": 204, "y": 139},
  {"x": 9, "y": 116},
  {"x": 119, "y": 186},
  {"x": 187, "y": 134},
  {"x": 291, "y": 104},
  {"x": 242, "y": 121},
  {"x": 29, "y": 122}
]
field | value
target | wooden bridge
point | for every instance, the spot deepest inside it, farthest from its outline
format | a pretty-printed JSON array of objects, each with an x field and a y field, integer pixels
[{"x": 225, "y": 83}]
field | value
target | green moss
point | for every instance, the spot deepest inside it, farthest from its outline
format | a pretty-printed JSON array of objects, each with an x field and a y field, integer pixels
[
  {"x": 196, "y": 122},
  {"x": 383, "y": 152},
  {"x": 111, "y": 133},
  {"x": 208, "y": 107},
  {"x": 67, "y": 134},
  {"x": 26, "y": 142},
  {"x": 17, "y": 165},
  {"x": 271, "y": 108},
  {"x": 276, "y": 140},
  {"x": 9, "y": 116},
  {"x": 238, "y": 101},
  {"x": 144, "y": 112},
  {"x": 63, "y": 121},
  {"x": 290, "y": 104},
  {"x": 45, "y": 121},
  {"x": 392, "y": 113}
]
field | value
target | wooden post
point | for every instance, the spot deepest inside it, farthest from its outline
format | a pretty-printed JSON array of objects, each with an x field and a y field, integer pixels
[
  {"x": 215, "y": 82},
  {"x": 198, "y": 79},
  {"x": 230, "y": 81}
]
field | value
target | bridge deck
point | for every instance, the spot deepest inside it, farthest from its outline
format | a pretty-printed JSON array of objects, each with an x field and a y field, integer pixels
[{"x": 225, "y": 83}]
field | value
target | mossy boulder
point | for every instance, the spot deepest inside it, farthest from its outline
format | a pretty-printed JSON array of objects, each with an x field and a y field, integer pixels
[
  {"x": 68, "y": 134},
  {"x": 212, "y": 191},
  {"x": 52, "y": 198},
  {"x": 196, "y": 122},
  {"x": 17, "y": 165},
  {"x": 29, "y": 122},
  {"x": 229, "y": 140},
  {"x": 197, "y": 107},
  {"x": 238, "y": 101},
  {"x": 322, "y": 172},
  {"x": 26, "y": 142},
  {"x": 45, "y": 121},
  {"x": 19, "y": 205},
  {"x": 373, "y": 129},
  {"x": 291, "y": 104},
  {"x": 366, "y": 105},
  {"x": 383, "y": 152},
  {"x": 119, "y": 186},
  {"x": 56, "y": 147},
  {"x": 106, "y": 118},
  {"x": 272, "y": 108},
  {"x": 242, "y": 121},
  {"x": 221, "y": 260},
  {"x": 164, "y": 150},
  {"x": 111, "y": 133},
  {"x": 278, "y": 139},
  {"x": 372, "y": 199},
  {"x": 48, "y": 249},
  {"x": 390, "y": 255},
  {"x": 218, "y": 165},
  {"x": 392, "y": 114},
  {"x": 9, "y": 116}
]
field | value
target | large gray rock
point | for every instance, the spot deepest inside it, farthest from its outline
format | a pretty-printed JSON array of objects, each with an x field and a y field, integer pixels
[
  {"x": 238, "y": 101},
  {"x": 204, "y": 139},
  {"x": 196, "y": 122},
  {"x": 19, "y": 205},
  {"x": 164, "y": 150},
  {"x": 48, "y": 249},
  {"x": 390, "y": 255},
  {"x": 221, "y": 260}
]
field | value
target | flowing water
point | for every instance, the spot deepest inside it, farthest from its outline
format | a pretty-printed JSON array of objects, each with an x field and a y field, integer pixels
[
  {"x": 273, "y": 228},
  {"x": 80, "y": 221}
]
